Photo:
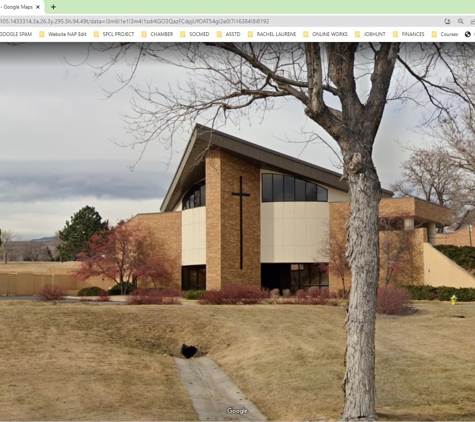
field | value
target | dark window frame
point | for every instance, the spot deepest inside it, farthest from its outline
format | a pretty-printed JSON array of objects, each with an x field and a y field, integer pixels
[
  {"x": 190, "y": 277},
  {"x": 273, "y": 188},
  {"x": 198, "y": 193},
  {"x": 303, "y": 274}
]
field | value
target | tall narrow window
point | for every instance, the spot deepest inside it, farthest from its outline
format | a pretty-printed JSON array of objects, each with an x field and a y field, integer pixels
[
  {"x": 299, "y": 190},
  {"x": 278, "y": 188},
  {"x": 289, "y": 188},
  {"x": 267, "y": 188},
  {"x": 203, "y": 195},
  {"x": 322, "y": 194},
  {"x": 310, "y": 192}
]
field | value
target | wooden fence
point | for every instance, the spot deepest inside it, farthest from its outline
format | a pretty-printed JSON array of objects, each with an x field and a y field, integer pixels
[{"x": 29, "y": 283}]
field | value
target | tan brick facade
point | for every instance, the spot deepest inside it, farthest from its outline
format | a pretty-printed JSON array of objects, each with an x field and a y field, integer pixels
[
  {"x": 223, "y": 172},
  {"x": 461, "y": 237},
  {"x": 221, "y": 160},
  {"x": 408, "y": 268},
  {"x": 166, "y": 228},
  {"x": 416, "y": 208}
]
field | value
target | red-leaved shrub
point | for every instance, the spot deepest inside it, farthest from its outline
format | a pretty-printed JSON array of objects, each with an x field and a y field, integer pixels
[
  {"x": 314, "y": 296},
  {"x": 393, "y": 301},
  {"x": 154, "y": 297},
  {"x": 51, "y": 292},
  {"x": 301, "y": 297},
  {"x": 319, "y": 296},
  {"x": 103, "y": 296},
  {"x": 234, "y": 294}
]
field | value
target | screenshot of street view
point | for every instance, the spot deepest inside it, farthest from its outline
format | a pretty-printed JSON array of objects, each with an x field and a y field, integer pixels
[{"x": 208, "y": 214}]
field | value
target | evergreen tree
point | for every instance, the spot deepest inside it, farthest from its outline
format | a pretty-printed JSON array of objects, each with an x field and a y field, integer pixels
[{"x": 76, "y": 234}]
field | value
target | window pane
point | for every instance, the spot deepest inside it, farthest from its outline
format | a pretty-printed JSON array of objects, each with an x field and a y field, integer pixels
[
  {"x": 201, "y": 278},
  {"x": 305, "y": 274},
  {"x": 267, "y": 188},
  {"x": 289, "y": 188},
  {"x": 322, "y": 194},
  {"x": 278, "y": 188},
  {"x": 299, "y": 190},
  {"x": 314, "y": 276},
  {"x": 203, "y": 195},
  {"x": 193, "y": 278},
  {"x": 187, "y": 203},
  {"x": 192, "y": 201},
  {"x": 294, "y": 279},
  {"x": 185, "y": 279},
  {"x": 310, "y": 192},
  {"x": 197, "y": 198}
]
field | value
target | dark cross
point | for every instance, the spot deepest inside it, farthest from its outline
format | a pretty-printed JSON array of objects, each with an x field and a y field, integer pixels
[
  {"x": 241, "y": 195},
  {"x": 53, "y": 7}
]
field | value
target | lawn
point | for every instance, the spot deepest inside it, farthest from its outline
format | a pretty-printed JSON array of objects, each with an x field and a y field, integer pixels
[{"x": 113, "y": 362}]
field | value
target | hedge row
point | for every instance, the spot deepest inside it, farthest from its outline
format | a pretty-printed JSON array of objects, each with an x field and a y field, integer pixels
[
  {"x": 441, "y": 293},
  {"x": 461, "y": 255}
]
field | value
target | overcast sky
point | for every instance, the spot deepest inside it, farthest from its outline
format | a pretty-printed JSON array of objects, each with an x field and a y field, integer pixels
[{"x": 59, "y": 136}]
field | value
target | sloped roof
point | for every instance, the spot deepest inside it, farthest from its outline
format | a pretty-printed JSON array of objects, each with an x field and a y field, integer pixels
[{"x": 192, "y": 166}]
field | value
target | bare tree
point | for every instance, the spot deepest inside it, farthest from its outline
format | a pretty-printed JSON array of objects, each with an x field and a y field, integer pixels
[
  {"x": 8, "y": 243},
  {"x": 334, "y": 246},
  {"x": 432, "y": 174},
  {"x": 232, "y": 80},
  {"x": 456, "y": 135},
  {"x": 395, "y": 247},
  {"x": 34, "y": 250}
]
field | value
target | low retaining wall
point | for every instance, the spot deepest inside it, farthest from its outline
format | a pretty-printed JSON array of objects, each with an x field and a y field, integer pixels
[
  {"x": 28, "y": 283},
  {"x": 442, "y": 271}
]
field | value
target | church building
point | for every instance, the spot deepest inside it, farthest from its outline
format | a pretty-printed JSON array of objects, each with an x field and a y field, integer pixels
[{"x": 239, "y": 213}]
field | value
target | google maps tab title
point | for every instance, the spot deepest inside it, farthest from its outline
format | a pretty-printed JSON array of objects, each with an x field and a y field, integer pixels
[{"x": 20, "y": 8}]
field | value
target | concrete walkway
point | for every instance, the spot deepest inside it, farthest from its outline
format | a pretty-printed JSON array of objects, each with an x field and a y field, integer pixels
[{"x": 215, "y": 397}]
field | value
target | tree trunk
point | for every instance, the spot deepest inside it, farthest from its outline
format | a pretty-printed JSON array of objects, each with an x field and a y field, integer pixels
[{"x": 363, "y": 256}]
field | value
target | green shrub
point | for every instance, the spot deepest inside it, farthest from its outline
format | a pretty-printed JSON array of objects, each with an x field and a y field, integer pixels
[
  {"x": 461, "y": 255},
  {"x": 422, "y": 292},
  {"x": 115, "y": 290},
  {"x": 193, "y": 294},
  {"x": 445, "y": 293},
  {"x": 90, "y": 291},
  {"x": 441, "y": 293}
]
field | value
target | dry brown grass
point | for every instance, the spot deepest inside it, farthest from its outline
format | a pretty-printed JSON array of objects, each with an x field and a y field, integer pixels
[{"x": 98, "y": 362}]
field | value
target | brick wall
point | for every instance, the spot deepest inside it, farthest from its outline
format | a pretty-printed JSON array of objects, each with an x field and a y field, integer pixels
[
  {"x": 417, "y": 208},
  {"x": 223, "y": 221},
  {"x": 410, "y": 265},
  {"x": 459, "y": 238},
  {"x": 166, "y": 230}
]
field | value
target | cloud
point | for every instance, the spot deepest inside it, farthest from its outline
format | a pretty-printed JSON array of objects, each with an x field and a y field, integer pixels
[
  {"x": 43, "y": 218},
  {"x": 29, "y": 181}
]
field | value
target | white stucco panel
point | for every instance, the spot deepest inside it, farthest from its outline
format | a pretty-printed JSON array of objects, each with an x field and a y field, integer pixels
[
  {"x": 193, "y": 236},
  {"x": 294, "y": 231}
]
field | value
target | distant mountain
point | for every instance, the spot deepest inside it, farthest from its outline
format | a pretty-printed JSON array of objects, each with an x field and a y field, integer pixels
[{"x": 43, "y": 239}]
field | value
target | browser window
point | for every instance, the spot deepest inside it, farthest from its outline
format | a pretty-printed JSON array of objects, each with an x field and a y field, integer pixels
[{"x": 289, "y": 187}]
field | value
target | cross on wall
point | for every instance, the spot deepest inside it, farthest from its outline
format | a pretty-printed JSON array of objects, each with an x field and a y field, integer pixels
[{"x": 241, "y": 196}]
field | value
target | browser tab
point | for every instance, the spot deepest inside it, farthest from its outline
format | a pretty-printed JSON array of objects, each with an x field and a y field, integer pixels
[{"x": 22, "y": 7}]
